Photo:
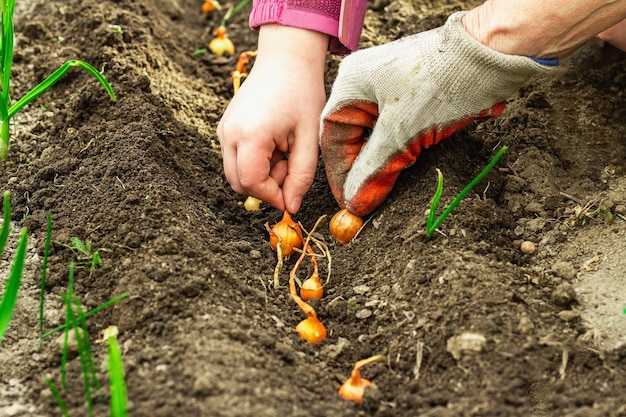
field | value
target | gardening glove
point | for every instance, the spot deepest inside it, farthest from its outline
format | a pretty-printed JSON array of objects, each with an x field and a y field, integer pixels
[{"x": 407, "y": 95}]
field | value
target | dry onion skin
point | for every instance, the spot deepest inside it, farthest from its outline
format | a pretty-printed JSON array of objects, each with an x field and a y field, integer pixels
[
  {"x": 344, "y": 225},
  {"x": 289, "y": 234},
  {"x": 310, "y": 329}
]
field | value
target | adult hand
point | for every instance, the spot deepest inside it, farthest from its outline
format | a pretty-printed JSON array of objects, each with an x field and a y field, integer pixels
[
  {"x": 408, "y": 95},
  {"x": 269, "y": 132}
]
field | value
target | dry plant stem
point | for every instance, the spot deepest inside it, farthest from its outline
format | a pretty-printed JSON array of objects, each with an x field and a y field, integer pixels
[
  {"x": 264, "y": 290},
  {"x": 306, "y": 308},
  {"x": 279, "y": 254},
  {"x": 326, "y": 254},
  {"x": 279, "y": 265},
  {"x": 359, "y": 364},
  {"x": 322, "y": 247},
  {"x": 308, "y": 250},
  {"x": 244, "y": 58},
  {"x": 312, "y": 254},
  {"x": 328, "y": 266},
  {"x": 356, "y": 374},
  {"x": 240, "y": 70},
  {"x": 237, "y": 76},
  {"x": 564, "y": 360},
  {"x": 419, "y": 357},
  {"x": 361, "y": 228}
]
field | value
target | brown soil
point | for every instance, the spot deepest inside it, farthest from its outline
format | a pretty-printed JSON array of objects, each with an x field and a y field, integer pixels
[{"x": 205, "y": 334}]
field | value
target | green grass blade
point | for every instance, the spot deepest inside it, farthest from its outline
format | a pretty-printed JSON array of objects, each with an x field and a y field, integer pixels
[
  {"x": 4, "y": 111},
  {"x": 40, "y": 88},
  {"x": 6, "y": 223},
  {"x": 7, "y": 110},
  {"x": 81, "y": 335},
  {"x": 97, "y": 75},
  {"x": 68, "y": 324},
  {"x": 2, "y": 7},
  {"x": 44, "y": 270},
  {"x": 5, "y": 133},
  {"x": 96, "y": 262},
  {"x": 7, "y": 48},
  {"x": 57, "y": 397},
  {"x": 91, "y": 367},
  {"x": 54, "y": 78},
  {"x": 435, "y": 201},
  {"x": 6, "y": 59},
  {"x": 88, "y": 314},
  {"x": 119, "y": 406},
  {"x": 464, "y": 192},
  {"x": 234, "y": 11},
  {"x": 66, "y": 336},
  {"x": 9, "y": 297}
]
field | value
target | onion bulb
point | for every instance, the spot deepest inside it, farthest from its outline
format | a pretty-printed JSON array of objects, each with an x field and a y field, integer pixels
[
  {"x": 312, "y": 330},
  {"x": 221, "y": 43},
  {"x": 312, "y": 288},
  {"x": 252, "y": 204},
  {"x": 354, "y": 387},
  {"x": 289, "y": 234},
  {"x": 345, "y": 225},
  {"x": 210, "y": 5}
]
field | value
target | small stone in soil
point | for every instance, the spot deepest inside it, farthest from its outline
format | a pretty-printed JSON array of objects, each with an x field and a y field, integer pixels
[
  {"x": 364, "y": 313},
  {"x": 527, "y": 247}
]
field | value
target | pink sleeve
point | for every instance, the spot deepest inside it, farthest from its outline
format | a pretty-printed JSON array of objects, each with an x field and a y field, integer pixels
[{"x": 341, "y": 19}]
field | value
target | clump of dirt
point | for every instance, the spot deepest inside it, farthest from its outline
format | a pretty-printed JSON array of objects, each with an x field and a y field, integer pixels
[{"x": 203, "y": 331}]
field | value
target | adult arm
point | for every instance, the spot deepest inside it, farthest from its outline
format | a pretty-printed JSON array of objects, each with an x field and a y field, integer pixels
[{"x": 539, "y": 28}]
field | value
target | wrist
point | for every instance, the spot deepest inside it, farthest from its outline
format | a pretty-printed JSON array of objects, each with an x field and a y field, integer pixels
[
  {"x": 302, "y": 47},
  {"x": 503, "y": 28}
]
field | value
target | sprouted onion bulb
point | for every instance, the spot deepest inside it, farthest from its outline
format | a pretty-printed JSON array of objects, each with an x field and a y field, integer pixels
[
  {"x": 354, "y": 387},
  {"x": 344, "y": 225},
  {"x": 289, "y": 233},
  {"x": 221, "y": 43},
  {"x": 210, "y": 5}
]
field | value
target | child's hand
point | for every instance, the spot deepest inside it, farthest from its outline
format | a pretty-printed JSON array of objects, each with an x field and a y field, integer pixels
[{"x": 276, "y": 113}]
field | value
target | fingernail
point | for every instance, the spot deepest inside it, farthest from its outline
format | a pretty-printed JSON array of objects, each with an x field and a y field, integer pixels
[{"x": 294, "y": 204}]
